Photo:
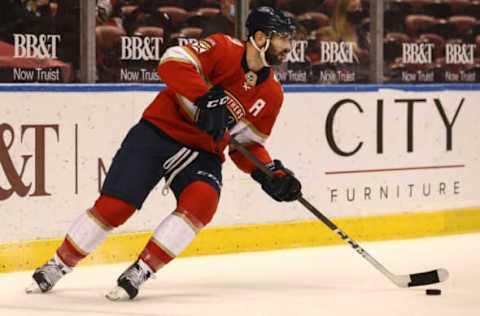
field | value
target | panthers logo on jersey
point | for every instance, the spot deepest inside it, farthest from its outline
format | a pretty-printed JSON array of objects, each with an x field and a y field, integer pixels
[{"x": 202, "y": 46}]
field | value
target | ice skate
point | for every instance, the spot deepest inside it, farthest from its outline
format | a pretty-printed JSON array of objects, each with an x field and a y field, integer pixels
[
  {"x": 129, "y": 282},
  {"x": 46, "y": 276}
]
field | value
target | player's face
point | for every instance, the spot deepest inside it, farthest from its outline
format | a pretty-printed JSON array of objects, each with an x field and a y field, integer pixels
[{"x": 280, "y": 46}]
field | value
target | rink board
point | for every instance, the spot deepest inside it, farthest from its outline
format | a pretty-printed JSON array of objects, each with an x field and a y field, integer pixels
[
  {"x": 409, "y": 155},
  {"x": 234, "y": 239}
]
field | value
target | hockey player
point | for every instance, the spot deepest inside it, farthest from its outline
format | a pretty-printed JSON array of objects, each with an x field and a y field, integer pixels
[{"x": 217, "y": 88}]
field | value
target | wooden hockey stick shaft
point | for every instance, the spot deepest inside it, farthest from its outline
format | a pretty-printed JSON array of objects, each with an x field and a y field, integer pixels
[{"x": 415, "y": 279}]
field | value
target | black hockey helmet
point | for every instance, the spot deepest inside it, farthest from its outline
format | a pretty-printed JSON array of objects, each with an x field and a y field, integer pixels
[{"x": 268, "y": 20}]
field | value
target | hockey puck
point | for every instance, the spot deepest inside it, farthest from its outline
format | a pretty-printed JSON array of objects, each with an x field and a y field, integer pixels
[{"x": 433, "y": 292}]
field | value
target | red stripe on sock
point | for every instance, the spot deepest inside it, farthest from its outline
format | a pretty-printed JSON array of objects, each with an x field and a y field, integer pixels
[
  {"x": 155, "y": 256},
  {"x": 99, "y": 219},
  {"x": 69, "y": 254},
  {"x": 198, "y": 225}
]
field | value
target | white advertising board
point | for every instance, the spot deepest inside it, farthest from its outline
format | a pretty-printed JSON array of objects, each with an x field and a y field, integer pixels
[{"x": 356, "y": 153}]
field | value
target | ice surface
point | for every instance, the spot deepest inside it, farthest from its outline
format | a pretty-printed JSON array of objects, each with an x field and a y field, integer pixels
[{"x": 331, "y": 281}]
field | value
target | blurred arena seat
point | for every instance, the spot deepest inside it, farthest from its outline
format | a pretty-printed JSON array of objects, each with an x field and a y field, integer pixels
[
  {"x": 209, "y": 3},
  {"x": 107, "y": 36},
  {"x": 402, "y": 6},
  {"x": 392, "y": 45},
  {"x": 313, "y": 20},
  {"x": 208, "y": 12},
  {"x": 201, "y": 16},
  {"x": 8, "y": 60},
  {"x": 176, "y": 14},
  {"x": 473, "y": 9},
  {"x": 443, "y": 28},
  {"x": 284, "y": 4},
  {"x": 463, "y": 23},
  {"x": 417, "y": 5},
  {"x": 128, "y": 9},
  {"x": 188, "y": 32},
  {"x": 150, "y": 31},
  {"x": 437, "y": 9},
  {"x": 458, "y": 6},
  {"x": 397, "y": 37},
  {"x": 418, "y": 23},
  {"x": 436, "y": 39}
]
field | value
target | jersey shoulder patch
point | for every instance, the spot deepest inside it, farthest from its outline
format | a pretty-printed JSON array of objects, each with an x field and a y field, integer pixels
[{"x": 203, "y": 45}]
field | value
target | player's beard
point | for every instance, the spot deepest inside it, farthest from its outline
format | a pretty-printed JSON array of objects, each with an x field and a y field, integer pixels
[{"x": 275, "y": 59}]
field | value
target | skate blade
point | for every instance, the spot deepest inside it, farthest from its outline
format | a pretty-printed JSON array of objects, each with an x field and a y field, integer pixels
[
  {"x": 33, "y": 288},
  {"x": 117, "y": 294}
]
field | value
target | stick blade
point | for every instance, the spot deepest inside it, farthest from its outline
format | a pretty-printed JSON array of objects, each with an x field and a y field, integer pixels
[
  {"x": 443, "y": 274},
  {"x": 117, "y": 294},
  {"x": 33, "y": 288},
  {"x": 428, "y": 277}
]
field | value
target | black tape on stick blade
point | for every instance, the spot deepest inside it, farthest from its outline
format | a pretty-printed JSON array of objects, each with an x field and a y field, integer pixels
[{"x": 424, "y": 278}]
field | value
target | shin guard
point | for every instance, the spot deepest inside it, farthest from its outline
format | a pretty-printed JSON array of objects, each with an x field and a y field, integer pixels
[
  {"x": 195, "y": 208},
  {"x": 91, "y": 228}
]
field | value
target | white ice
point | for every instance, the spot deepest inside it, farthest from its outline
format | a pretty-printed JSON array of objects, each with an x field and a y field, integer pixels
[{"x": 333, "y": 281}]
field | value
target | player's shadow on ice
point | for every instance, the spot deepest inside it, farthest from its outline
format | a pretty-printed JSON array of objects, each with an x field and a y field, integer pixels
[{"x": 206, "y": 291}]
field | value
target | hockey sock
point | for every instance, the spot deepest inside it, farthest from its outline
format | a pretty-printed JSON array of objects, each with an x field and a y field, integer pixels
[
  {"x": 169, "y": 239},
  {"x": 90, "y": 229},
  {"x": 195, "y": 208}
]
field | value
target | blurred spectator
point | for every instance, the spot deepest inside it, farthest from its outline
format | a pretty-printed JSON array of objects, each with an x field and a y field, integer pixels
[
  {"x": 301, "y": 32},
  {"x": 346, "y": 27},
  {"x": 20, "y": 16},
  {"x": 295, "y": 7},
  {"x": 67, "y": 22},
  {"x": 130, "y": 41},
  {"x": 222, "y": 22},
  {"x": 147, "y": 14},
  {"x": 108, "y": 12}
]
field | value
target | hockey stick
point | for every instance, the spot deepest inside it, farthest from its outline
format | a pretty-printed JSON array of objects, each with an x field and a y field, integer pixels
[{"x": 405, "y": 280}]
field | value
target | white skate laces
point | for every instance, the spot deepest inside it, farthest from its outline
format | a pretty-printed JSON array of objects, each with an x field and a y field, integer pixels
[
  {"x": 129, "y": 281},
  {"x": 46, "y": 276}
]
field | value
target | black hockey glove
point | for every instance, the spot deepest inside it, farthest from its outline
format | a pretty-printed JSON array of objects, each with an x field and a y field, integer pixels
[
  {"x": 212, "y": 113},
  {"x": 284, "y": 187}
]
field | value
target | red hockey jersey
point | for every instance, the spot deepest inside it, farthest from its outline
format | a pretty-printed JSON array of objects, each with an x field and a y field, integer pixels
[{"x": 189, "y": 71}]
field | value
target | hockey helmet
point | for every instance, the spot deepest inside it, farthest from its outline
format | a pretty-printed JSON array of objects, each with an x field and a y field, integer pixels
[{"x": 269, "y": 20}]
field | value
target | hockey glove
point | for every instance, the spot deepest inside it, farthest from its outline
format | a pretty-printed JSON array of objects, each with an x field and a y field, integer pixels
[
  {"x": 212, "y": 114},
  {"x": 284, "y": 187}
]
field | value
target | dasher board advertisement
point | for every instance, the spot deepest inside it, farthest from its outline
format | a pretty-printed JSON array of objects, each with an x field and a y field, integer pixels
[{"x": 381, "y": 151}]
